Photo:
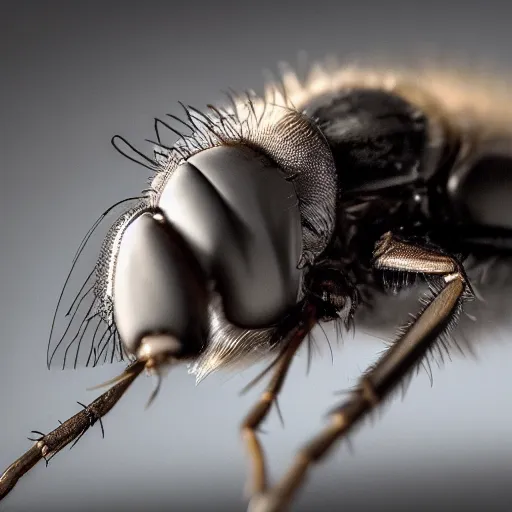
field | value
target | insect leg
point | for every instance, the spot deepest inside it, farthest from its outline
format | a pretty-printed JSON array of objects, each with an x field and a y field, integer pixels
[
  {"x": 259, "y": 412},
  {"x": 393, "y": 366},
  {"x": 47, "y": 446}
]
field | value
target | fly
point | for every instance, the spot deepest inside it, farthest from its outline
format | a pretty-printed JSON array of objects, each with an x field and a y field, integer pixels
[{"x": 275, "y": 213}]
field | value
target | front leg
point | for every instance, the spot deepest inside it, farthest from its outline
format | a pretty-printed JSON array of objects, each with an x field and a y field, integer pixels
[
  {"x": 395, "y": 365},
  {"x": 257, "y": 483},
  {"x": 47, "y": 446}
]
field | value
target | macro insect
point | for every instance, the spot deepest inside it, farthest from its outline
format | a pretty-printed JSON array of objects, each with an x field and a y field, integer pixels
[{"x": 274, "y": 213}]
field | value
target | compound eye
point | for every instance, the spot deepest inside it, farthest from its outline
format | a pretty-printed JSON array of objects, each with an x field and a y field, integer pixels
[
  {"x": 159, "y": 290},
  {"x": 241, "y": 216}
]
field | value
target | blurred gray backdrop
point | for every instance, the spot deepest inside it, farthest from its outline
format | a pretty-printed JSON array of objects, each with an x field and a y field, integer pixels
[{"x": 76, "y": 73}]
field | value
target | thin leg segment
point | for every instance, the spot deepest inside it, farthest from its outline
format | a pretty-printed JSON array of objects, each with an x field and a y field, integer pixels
[
  {"x": 259, "y": 412},
  {"x": 70, "y": 431},
  {"x": 390, "y": 370}
]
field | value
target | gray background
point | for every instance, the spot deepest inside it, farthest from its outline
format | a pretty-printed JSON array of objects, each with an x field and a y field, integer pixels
[{"x": 74, "y": 74}]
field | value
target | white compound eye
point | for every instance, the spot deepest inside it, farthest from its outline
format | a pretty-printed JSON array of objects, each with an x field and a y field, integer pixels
[
  {"x": 160, "y": 292},
  {"x": 241, "y": 218}
]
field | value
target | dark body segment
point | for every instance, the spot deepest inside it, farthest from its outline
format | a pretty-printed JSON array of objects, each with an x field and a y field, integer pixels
[
  {"x": 394, "y": 177},
  {"x": 378, "y": 139},
  {"x": 480, "y": 195}
]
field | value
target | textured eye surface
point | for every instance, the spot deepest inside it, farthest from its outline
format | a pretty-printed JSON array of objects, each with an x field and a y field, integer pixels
[
  {"x": 158, "y": 287},
  {"x": 242, "y": 217}
]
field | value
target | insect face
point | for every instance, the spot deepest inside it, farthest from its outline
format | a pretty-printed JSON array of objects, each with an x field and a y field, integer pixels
[{"x": 210, "y": 232}]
